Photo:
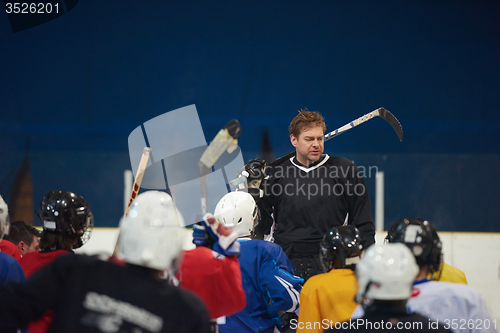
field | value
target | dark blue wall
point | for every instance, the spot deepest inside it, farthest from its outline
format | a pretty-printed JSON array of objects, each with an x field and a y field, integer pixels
[{"x": 78, "y": 85}]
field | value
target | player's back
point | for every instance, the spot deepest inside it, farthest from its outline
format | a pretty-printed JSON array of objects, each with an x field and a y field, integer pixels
[
  {"x": 328, "y": 296},
  {"x": 457, "y": 306},
  {"x": 267, "y": 276},
  {"x": 89, "y": 295}
]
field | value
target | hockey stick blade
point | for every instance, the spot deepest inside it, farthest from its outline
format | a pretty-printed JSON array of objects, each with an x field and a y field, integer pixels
[
  {"x": 380, "y": 112},
  {"x": 393, "y": 121},
  {"x": 234, "y": 128},
  {"x": 225, "y": 140}
]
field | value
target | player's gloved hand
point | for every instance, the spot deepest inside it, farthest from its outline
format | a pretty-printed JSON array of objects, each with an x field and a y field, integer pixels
[
  {"x": 256, "y": 172},
  {"x": 200, "y": 235},
  {"x": 225, "y": 238},
  {"x": 250, "y": 177}
]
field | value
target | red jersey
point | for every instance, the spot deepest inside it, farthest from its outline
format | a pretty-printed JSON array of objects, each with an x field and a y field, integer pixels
[
  {"x": 10, "y": 248},
  {"x": 214, "y": 278}
]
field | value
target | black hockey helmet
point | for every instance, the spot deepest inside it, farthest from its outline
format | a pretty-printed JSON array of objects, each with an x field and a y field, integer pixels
[
  {"x": 421, "y": 238},
  {"x": 68, "y": 213},
  {"x": 339, "y": 244}
]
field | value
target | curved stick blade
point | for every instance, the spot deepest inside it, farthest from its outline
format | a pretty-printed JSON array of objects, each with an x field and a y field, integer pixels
[{"x": 393, "y": 121}]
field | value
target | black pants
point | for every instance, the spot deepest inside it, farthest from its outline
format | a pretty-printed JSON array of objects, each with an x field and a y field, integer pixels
[{"x": 306, "y": 266}]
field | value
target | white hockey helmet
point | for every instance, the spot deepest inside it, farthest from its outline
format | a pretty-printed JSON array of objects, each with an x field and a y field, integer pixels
[
  {"x": 239, "y": 211},
  {"x": 386, "y": 272},
  {"x": 4, "y": 218},
  {"x": 152, "y": 233}
]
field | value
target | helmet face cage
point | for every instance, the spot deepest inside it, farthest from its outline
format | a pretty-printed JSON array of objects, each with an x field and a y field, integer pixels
[
  {"x": 87, "y": 230},
  {"x": 337, "y": 245},
  {"x": 421, "y": 238}
]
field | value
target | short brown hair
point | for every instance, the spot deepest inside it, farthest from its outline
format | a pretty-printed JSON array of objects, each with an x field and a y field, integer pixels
[
  {"x": 21, "y": 231},
  {"x": 306, "y": 119}
]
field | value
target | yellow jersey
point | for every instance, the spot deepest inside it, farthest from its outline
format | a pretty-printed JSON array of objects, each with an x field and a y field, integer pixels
[{"x": 326, "y": 299}]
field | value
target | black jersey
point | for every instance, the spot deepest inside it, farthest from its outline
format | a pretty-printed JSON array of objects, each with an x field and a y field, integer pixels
[
  {"x": 90, "y": 295},
  {"x": 306, "y": 202},
  {"x": 388, "y": 318}
]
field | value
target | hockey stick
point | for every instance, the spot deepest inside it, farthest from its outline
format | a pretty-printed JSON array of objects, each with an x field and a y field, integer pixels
[
  {"x": 135, "y": 187},
  {"x": 380, "y": 112},
  {"x": 225, "y": 140}
]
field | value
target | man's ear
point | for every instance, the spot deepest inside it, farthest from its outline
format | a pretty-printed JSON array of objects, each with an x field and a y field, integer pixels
[
  {"x": 293, "y": 140},
  {"x": 20, "y": 245}
]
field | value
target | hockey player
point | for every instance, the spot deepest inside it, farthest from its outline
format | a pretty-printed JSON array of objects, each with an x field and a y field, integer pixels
[
  {"x": 455, "y": 305},
  {"x": 10, "y": 270},
  {"x": 385, "y": 276},
  {"x": 449, "y": 303},
  {"x": 269, "y": 283},
  {"x": 329, "y": 297},
  {"x": 218, "y": 268},
  {"x": 310, "y": 193},
  {"x": 90, "y": 295},
  {"x": 439, "y": 272},
  {"x": 67, "y": 224},
  {"x": 7, "y": 247},
  {"x": 24, "y": 236}
]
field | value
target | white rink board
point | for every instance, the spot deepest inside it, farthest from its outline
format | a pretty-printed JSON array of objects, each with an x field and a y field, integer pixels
[
  {"x": 103, "y": 242},
  {"x": 476, "y": 254}
]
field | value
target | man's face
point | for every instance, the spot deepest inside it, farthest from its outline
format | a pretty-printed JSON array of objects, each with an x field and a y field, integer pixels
[
  {"x": 24, "y": 248},
  {"x": 309, "y": 145}
]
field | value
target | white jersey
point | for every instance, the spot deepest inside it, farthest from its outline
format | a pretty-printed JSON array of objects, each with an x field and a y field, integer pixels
[{"x": 457, "y": 306}]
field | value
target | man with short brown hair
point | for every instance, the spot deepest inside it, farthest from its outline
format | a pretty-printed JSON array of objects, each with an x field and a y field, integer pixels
[
  {"x": 24, "y": 236},
  {"x": 310, "y": 193}
]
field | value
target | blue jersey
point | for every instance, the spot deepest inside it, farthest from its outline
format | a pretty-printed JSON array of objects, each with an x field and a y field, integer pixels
[
  {"x": 270, "y": 286},
  {"x": 10, "y": 269}
]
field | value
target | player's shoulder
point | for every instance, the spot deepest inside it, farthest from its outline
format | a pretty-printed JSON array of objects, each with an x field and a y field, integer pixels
[
  {"x": 82, "y": 261},
  {"x": 316, "y": 282},
  {"x": 8, "y": 263},
  {"x": 202, "y": 256},
  {"x": 320, "y": 280},
  {"x": 451, "y": 274},
  {"x": 338, "y": 161},
  {"x": 197, "y": 251},
  {"x": 450, "y": 289},
  {"x": 4, "y": 257},
  {"x": 270, "y": 248},
  {"x": 285, "y": 162},
  {"x": 10, "y": 248}
]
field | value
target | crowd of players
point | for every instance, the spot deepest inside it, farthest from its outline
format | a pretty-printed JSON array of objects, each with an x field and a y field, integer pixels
[{"x": 322, "y": 273}]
